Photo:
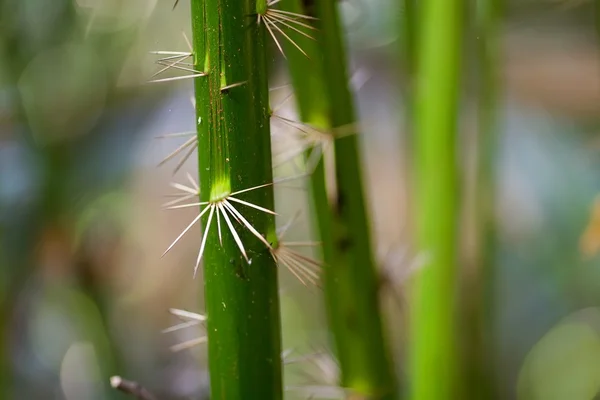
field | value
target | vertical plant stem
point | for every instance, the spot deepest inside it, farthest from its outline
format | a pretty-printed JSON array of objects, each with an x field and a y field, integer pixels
[
  {"x": 313, "y": 109},
  {"x": 309, "y": 88},
  {"x": 242, "y": 304},
  {"x": 408, "y": 51},
  {"x": 433, "y": 339},
  {"x": 351, "y": 281},
  {"x": 480, "y": 371}
]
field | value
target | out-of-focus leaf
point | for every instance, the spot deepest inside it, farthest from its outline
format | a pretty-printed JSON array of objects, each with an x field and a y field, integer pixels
[{"x": 564, "y": 364}]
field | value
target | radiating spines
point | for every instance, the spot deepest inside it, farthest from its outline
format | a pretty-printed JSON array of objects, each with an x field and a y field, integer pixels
[
  {"x": 184, "y": 193},
  {"x": 398, "y": 264},
  {"x": 317, "y": 141},
  {"x": 310, "y": 137},
  {"x": 187, "y": 315},
  {"x": 277, "y": 21},
  {"x": 189, "y": 344},
  {"x": 306, "y": 269},
  {"x": 316, "y": 144},
  {"x": 322, "y": 375},
  {"x": 176, "y": 61},
  {"x": 186, "y": 149},
  {"x": 189, "y": 319},
  {"x": 227, "y": 207}
]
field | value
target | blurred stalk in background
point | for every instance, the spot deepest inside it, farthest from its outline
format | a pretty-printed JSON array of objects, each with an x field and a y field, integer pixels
[
  {"x": 351, "y": 286},
  {"x": 433, "y": 358},
  {"x": 479, "y": 285},
  {"x": 351, "y": 279},
  {"x": 409, "y": 12},
  {"x": 241, "y": 292}
]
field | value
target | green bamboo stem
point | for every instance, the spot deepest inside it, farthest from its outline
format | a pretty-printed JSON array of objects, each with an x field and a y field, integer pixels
[
  {"x": 350, "y": 278},
  {"x": 242, "y": 304},
  {"x": 488, "y": 15},
  {"x": 408, "y": 52},
  {"x": 313, "y": 107},
  {"x": 433, "y": 338},
  {"x": 480, "y": 371}
]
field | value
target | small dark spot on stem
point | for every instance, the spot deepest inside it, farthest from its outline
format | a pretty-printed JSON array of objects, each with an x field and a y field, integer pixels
[
  {"x": 240, "y": 271},
  {"x": 344, "y": 243},
  {"x": 340, "y": 203}
]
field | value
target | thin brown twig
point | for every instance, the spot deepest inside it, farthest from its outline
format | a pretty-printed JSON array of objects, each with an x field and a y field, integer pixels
[{"x": 131, "y": 388}]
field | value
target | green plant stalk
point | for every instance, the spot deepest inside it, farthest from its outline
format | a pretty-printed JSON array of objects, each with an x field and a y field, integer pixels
[
  {"x": 408, "y": 56},
  {"x": 242, "y": 303},
  {"x": 480, "y": 371},
  {"x": 313, "y": 106},
  {"x": 350, "y": 279},
  {"x": 433, "y": 337}
]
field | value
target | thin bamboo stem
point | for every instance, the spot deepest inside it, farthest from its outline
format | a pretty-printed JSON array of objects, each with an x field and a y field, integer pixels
[
  {"x": 480, "y": 363},
  {"x": 433, "y": 338},
  {"x": 350, "y": 278},
  {"x": 241, "y": 295}
]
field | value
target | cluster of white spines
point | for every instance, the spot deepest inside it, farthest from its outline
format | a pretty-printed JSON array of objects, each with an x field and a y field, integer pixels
[{"x": 225, "y": 210}]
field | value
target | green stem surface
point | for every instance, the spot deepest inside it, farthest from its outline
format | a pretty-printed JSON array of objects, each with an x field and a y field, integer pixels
[
  {"x": 480, "y": 287},
  {"x": 242, "y": 303},
  {"x": 350, "y": 278},
  {"x": 433, "y": 337}
]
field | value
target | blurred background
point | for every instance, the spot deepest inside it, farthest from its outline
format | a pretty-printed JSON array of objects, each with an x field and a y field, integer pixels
[{"x": 85, "y": 294}]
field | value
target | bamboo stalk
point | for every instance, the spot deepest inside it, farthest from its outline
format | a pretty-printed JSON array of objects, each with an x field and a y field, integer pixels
[
  {"x": 433, "y": 338},
  {"x": 408, "y": 51},
  {"x": 350, "y": 278},
  {"x": 480, "y": 363},
  {"x": 241, "y": 295}
]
